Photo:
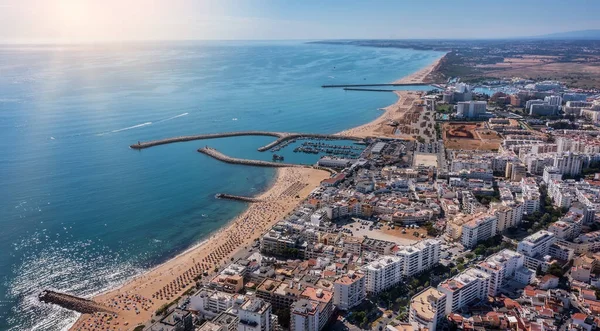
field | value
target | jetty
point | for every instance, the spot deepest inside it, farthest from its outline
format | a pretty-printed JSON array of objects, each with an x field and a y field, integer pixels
[
  {"x": 236, "y": 197},
  {"x": 367, "y": 85},
  {"x": 71, "y": 302},
  {"x": 281, "y": 138},
  {"x": 367, "y": 89},
  {"x": 258, "y": 163}
]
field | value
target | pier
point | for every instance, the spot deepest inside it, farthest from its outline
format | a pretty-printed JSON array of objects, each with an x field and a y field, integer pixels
[
  {"x": 367, "y": 85},
  {"x": 258, "y": 163},
  {"x": 71, "y": 302},
  {"x": 281, "y": 138},
  {"x": 367, "y": 89},
  {"x": 236, "y": 197}
]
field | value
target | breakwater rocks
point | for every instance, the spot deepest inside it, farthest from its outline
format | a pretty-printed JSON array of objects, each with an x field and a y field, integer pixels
[
  {"x": 281, "y": 137},
  {"x": 227, "y": 159},
  {"x": 236, "y": 197},
  {"x": 72, "y": 302}
]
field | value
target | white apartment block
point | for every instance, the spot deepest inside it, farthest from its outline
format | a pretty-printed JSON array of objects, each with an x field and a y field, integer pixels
[
  {"x": 553, "y": 100},
  {"x": 530, "y": 195},
  {"x": 503, "y": 266},
  {"x": 568, "y": 163},
  {"x": 479, "y": 229},
  {"x": 535, "y": 247},
  {"x": 210, "y": 303},
  {"x": 470, "y": 109},
  {"x": 551, "y": 174},
  {"x": 427, "y": 308},
  {"x": 419, "y": 257},
  {"x": 383, "y": 273},
  {"x": 255, "y": 315},
  {"x": 508, "y": 215},
  {"x": 468, "y": 287},
  {"x": 305, "y": 315},
  {"x": 349, "y": 290}
]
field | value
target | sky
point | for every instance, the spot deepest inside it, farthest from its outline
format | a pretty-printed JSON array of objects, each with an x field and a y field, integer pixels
[{"x": 23, "y": 21}]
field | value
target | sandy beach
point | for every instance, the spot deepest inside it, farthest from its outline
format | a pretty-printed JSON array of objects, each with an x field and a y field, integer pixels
[
  {"x": 396, "y": 113},
  {"x": 139, "y": 298}
]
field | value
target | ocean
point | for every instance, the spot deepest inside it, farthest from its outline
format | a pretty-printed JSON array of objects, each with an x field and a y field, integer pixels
[{"x": 80, "y": 212}]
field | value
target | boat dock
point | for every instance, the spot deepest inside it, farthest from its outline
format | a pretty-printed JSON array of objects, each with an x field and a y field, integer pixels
[
  {"x": 236, "y": 197},
  {"x": 281, "y": 138},
  {"x": 227, "y": 159},
  {"x": 71, "y": 302}
]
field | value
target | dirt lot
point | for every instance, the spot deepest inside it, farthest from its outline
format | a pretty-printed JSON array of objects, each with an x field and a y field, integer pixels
[
  {"x": 459, "y": 135},
  {"x": 583, "y": 73}
]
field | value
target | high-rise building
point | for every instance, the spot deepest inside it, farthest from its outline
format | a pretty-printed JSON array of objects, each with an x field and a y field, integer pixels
[
  {"x": 530, "y": 195},
  {"x": 568, "y": 163},
  {"x": 535, "y": 247},
  {"x": 255, "y": 315},
  {"x": 427, "y": 308},
  {"x": 349, "y": 290},
  {"x": 383, "y": 273},
  {"x": 553, "y": 100},
  {"x": 507, "y": 215},
  {"x": 550, "y": 174},
  {"x": 479, "y": 229},
  {"x": 419, "y": 257},
  {"x": 469, "y": 109},
  {"x": 468, "y": 287},
  {"x": 503, "y": 266}
]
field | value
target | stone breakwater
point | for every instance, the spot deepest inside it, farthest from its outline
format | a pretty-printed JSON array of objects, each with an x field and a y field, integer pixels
[
  {"x": 227, "y": 159},
  {"x": 236, "y": 197},
  {"x": 281, "y": 137},
  {"x": 71, "y": 302}
]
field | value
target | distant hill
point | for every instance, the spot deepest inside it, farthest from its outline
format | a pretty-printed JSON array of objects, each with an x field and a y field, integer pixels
[{"x": 578, "y": 35}]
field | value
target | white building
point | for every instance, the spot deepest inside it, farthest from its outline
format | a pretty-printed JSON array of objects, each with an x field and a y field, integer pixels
[
  {"x": 551, "y": 173},
  {"x": 568, "y": 163},
  {"x": 479, "y": 229},
  {"x": 304, "y": 315},
  {"x": 470, "y": 109},
  {"x": 427, "y": 308},
  {"x": 535, "y": 248},
  {"x": 255, "y": 315},
  {"x": 503, "y": 266},
  {"x": 210, "y": 303},
  {"x": 553, "y": 100},
  {"x": 419, "y": 257},
  {"x": 508, "y": 215},
  {"x": 383, "y": 273},
  {"x": 349, "y": 290},
  {"x": 468, "y": 287},
  {"x": 530, "y": 195}
]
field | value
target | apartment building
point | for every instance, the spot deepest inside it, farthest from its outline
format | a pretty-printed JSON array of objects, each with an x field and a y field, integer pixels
[
  {"x": 255, "y": 315},
  {"x": 479, "y": 229},
  {"x": 419, "y": 257},
  {"x": 383, "y": 273},
  {"x": 349, "y": 290},
  {"x": 468, "y": 287},
  {"x": 427, "y": 308}
]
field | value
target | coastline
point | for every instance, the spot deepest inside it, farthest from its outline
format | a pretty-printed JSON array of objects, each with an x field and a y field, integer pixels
[{"x": 137, "y": 299}]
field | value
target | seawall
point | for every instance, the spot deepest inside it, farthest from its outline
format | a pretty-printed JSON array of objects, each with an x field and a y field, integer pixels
[
  {"x": 84, "y": 306},
  {"x": 236, "y": 197},
  {"x": 281, "y": 137},
  {"x": 258, "y": 163}
]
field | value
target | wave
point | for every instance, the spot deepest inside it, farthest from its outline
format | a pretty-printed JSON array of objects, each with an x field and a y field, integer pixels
[
  {"x": 132, "y": 127},
  {"x": 173, "y": 117}
]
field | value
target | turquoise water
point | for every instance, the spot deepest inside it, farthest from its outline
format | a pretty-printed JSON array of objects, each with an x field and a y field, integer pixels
[{"x": 81, "y": 212}]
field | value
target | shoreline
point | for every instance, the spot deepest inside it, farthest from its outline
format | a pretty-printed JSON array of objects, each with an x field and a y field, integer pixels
[{"x": 137, "y": 300}]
